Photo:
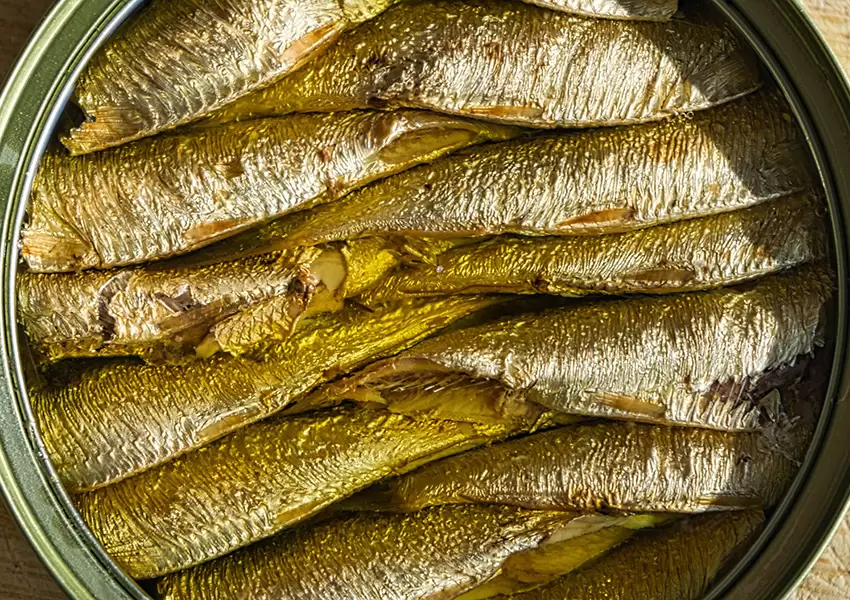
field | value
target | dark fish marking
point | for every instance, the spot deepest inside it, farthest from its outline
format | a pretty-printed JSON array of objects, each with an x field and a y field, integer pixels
[
  {"x": 180, "y": 303},
  {"x": 601, "y": 217},
  {"x": 105, "y": 295},
  {"x": 230, "y": 169}
]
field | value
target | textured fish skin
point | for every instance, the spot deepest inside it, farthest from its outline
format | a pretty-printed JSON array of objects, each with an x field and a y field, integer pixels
[
  {"x": 679, "y": 257},
  {"x": 166, "y": 196},
  {"x": 155, "y": 313},
  {"x": 623, "y": 466},
  {"x": 434, "y": 554},
  {"x": 649, "y": 10},
  {"x": 516, "y": 63},
  {"x": 689, "y": 359},
  {"x": 258, "y": 481},
  {"x": 675, "y": 563},
  {"x": 112, "y": 421},
  {"x": 589, "y": 182},
  {"x": 179, "y": 59}
]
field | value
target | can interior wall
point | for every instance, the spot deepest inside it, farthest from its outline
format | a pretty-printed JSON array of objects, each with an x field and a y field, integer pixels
[{"x": 39, "y": 87}]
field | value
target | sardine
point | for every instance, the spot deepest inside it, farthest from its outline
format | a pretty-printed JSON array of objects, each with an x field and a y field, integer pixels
[
  {"x": 622, "y": 466},
  {"x": 437, "y": 553},
  {"x": 704, "y": 359},
  {"x": 258, "y": 481},
  {"x": 600, "y": 181},
  {"x": 179, "y": 59},
  {"x": 646, "y": 10},
  {"x": 114, "y": 420},
  {"x": 536, "y": 567},
  {"x": 165, "y": 312},
  {"x": 679, "y": 257},
  {"x": 166, "y": 196},
  {"x": 516, "y": 63},
  {"x": 675, "y": 563}
]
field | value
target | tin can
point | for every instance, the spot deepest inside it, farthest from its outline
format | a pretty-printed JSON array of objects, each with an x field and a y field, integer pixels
[{"x": 41, "y": 83}]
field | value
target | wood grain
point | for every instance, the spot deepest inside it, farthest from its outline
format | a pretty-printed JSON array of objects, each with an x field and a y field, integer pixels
[{"x": 22, "y": 577}]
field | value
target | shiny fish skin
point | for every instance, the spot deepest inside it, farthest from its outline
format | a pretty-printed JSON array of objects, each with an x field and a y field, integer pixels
[
  {"x": 112, "y": 421},
  {"x": 679, "y": 257},
  {"x": 431, "y": 555},
  {"x": 516, "y": 63},
  {"x": 675, "y": 563},
  {"x": 155, "y": 313},
  {"x": 258, "y": 481},
  {"x": 179, "y": 59},
  {"x": 590, "y": 182},
  {"x": 649, "y": 10},
  {"x": 168, "y": 195},
  {"x": 689, "y": 359},
  {"x": 606, "y": 466}
]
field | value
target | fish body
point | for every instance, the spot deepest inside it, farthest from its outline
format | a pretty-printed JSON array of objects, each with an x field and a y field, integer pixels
[
  {"x": 644, "y": 10},
  {"x": 621, "y": 466},
  {"x": 685, "y": 256},
  {"x": 116, "y": 419},
  {"x": 704, "y": 359},
  {"x": 178, "y": 59},
  {"x": 516, "y": 63},
  {"x": 606, "y": 180},
  {"x": 258, "y": 481},
  {"x": 434, "y": 554},
  {"x": 169, "y": 195},
  {"x": 675, "y": 563}
]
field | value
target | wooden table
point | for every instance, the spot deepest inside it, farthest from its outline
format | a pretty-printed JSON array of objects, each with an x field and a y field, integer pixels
[{"x": 22, "y": 577}]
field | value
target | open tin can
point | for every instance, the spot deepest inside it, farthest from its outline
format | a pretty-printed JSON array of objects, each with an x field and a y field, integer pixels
[{"x": 36, "y": 93}]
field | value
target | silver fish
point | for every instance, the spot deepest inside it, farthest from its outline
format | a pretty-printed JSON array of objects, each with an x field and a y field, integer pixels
[{"x": 517, "y": 63}]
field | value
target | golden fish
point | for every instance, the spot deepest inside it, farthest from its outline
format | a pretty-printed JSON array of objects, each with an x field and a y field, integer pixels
[
  {"x": 166, "y": 311},
  {"x": 678, "y": 257},
  {"x": 114, "y": 420},
  {"x": 259, "y": 480},
  {"x": 179, "y": 59},
  {"x": 436, "y": 553},
  {"x": 645, "y": 10},
  {"x": 516, "y": 63},
  {"x": 674, "y": 563},
  {"x": 549, "y": 561},
  {"x": 166, "y": 196},
  {"x": 591, "y": 182},
  {"x": 607, "y": 466},
  {"x": 704, "y": 359}
]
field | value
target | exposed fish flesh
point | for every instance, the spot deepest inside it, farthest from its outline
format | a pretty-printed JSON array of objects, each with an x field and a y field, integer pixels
[
  {"x": 166, "y": 196},
  {"x": 517, "y": 63},
  {"x": 624, "y": 466},
  {"x": 437, "y": 553},
  {"x": 111, "y": 421},
  {"x": 675, "y": 563},
  {"x": 179, "y": 59},
  {"x": 259, "y": 480},
  {"x": 591, "y": 182},
  {"x": 704, "y": 359},
  {"x": 689, "y": 255}
]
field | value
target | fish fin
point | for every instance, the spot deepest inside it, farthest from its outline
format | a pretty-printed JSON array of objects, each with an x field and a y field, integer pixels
[
  {"x": 302, "y": 49},
  {"x": 106, "y": 126},
  {"x": 415, "y": 145},
  {"x": 61, "y": 251},
  {"x": 510, "y": 113},
  {"x": 662, "y": 275},
  {"x": 629, "y": 404},
  {"x": 230, "y": 169},
  {"x": 609, "y": 216},
  {"x": 730, "y": 501},
  {"x": 207, "y": 232}
]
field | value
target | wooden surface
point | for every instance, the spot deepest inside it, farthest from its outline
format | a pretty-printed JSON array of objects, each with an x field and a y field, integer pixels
[{"x": 22, "y": 577}]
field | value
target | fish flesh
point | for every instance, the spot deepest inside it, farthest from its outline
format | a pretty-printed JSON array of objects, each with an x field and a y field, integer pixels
[
  {"x": 178, "y": 59},
  {"x": 704, "y": 359},
  {"x": 516, "y": 63},
  {"x": 589, "y": 182},
  {"x": 675, "y": 563},
  {"x": 258, "y": 481},
  {"x": 631, "y": 467},
  {"x": 437, "y": 553},
  {"x": 111, "y": 421},
  {"x": 169, "y": 195},
  {"x": 549, "y": 561},
  {"x": 679, "y": 257},
  {"x": 168, "y": 312},
  {"x": 648, "y": 10}
]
